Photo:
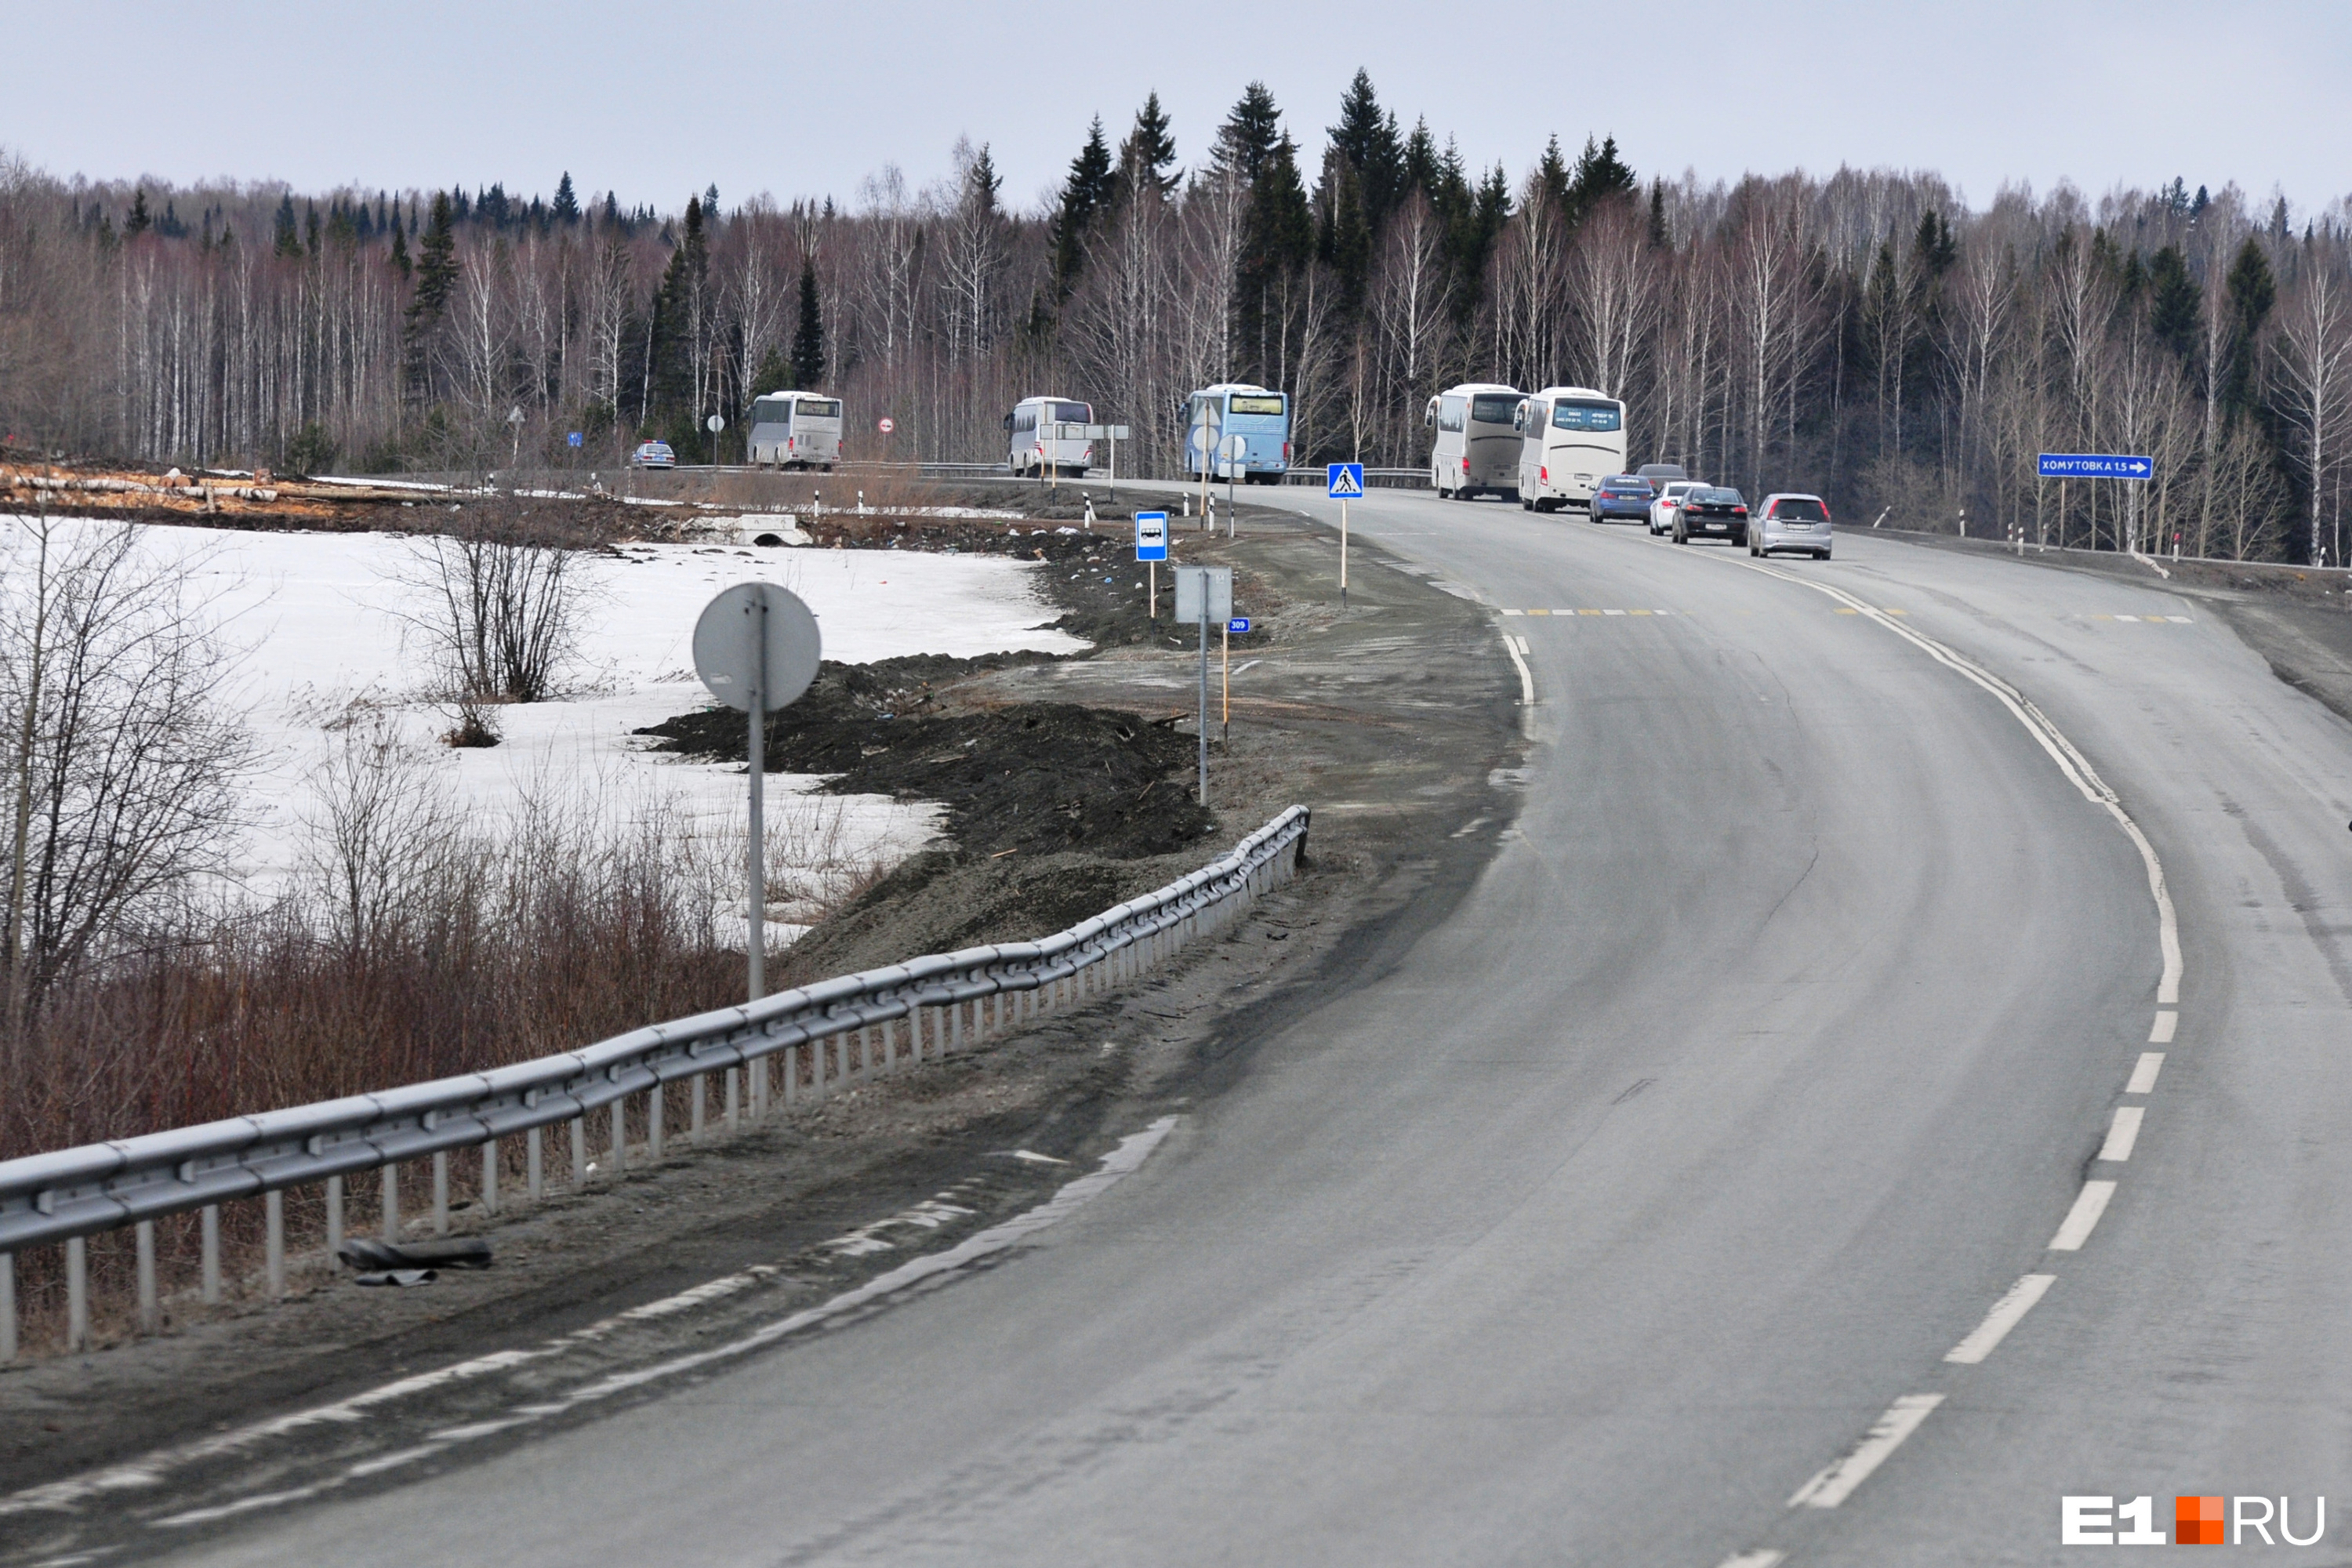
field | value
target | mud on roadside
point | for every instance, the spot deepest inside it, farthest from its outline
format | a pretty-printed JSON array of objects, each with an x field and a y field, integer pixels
[{"x": 1391, "y": 720}]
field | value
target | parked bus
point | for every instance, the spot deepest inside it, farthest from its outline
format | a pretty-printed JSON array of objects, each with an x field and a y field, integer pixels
[
  {"x": 1231, "y": 408},
  {"x": 1477, "y": 445},
  {"x": 1573, "y": 437},
  {"x": 796, "y": 430},
  {"x": 1031, "y": 451}
]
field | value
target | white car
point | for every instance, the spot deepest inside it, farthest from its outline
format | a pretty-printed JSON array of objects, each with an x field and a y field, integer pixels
[
  {"x": 1669, "y": 501},
  {"x": 1789, "y": 521}
]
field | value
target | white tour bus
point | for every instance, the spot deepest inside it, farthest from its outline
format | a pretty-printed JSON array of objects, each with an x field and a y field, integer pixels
[
  {"x": 1573, "y": 437},
  {"x": 1477, "y": 445},
  {"x": 1031, "y": 450},
  {"x": 796, "y": 430}
]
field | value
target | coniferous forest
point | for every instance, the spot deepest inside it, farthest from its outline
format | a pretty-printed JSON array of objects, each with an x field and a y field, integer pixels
[{"x": 1865, "y": 334}]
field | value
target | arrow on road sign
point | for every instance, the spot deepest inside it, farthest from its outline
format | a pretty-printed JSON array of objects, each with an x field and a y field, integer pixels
[{"x": 1346, "y": 481}]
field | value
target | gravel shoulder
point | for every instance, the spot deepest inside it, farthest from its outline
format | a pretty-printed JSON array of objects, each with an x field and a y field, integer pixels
[{"x": 1390, "y": 720}]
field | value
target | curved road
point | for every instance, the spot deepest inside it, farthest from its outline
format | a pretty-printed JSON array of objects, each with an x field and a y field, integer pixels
[{"x": 1775, "y": 1046}]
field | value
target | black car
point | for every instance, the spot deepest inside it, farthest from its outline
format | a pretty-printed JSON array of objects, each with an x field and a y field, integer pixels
[{"x": 1715, "y": 512}]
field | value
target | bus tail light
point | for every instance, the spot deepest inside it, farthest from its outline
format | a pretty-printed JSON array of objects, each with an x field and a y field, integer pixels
[{"x": 1543, "y": 476}]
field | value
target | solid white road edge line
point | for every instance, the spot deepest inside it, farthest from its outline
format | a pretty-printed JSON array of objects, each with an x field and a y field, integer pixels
[
  {"x": 2003, "y": 1317},
  {"x": 151, "y": 1469},
  {"x": 1526, "y": 687},
  {"x": 2122, "y": 1133},
  {"x": 1886, "y": 1434},
  {"x": 2143, "y": 1078},
  {"x": 2089, "y": 1205},
  {"x": 2071, "y": 761}
]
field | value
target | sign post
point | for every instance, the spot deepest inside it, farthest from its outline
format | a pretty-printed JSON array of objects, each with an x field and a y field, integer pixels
[
  {"x": 1204, "y": 594},
  {"x": 1343, "y": 482},
  {"x": 1236, "y": 450},
  {"x": 2066, "y": 466},
  {"x": 1152, "y": 546},
  {"x": 714, "y": 424},
  {"x": 1234, "y": 624},
  {"x": 756, "y": 648}
]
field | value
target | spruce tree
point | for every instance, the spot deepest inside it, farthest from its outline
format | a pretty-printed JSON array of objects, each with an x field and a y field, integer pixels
[
  {"x": 1277, "y": 243},
  {"x": 1247, "y": 138},
  {"x": 566, "y": 209},
  {"x": 436, "y": 268},
  {"x": 311, "y": 227},
  {"x": 1366, "y": 141},
  {"x": 1551, "y": 176},
  {"x": 2173, "y": 303},
  {"x": 399, "y": 250},
  {"x": 1660, "y": 235},
  {"x": 1420, "y": 160},
  {"x": 2253, "y": 289},
  {"x": 808, "y": 336},
  {"x": 1600, "y": 175},
  {"x": 1146, "y": 158},
  {"x": 682, "y": 283},
  {"x": 289, "y": 239},
  {"x": 138, "y": 222},
  {"x": 1084, "y": 196}
]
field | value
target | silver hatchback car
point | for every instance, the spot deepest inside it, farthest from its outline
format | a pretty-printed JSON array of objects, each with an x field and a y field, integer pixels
[{"x": 1791, "y": 522}]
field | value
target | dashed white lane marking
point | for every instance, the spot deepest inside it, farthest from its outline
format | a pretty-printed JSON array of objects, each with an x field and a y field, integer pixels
[
  {"x": 2143, "y": 1078},
  {"x": 1246, "y": 666},
  {"x": 2122, "y": 1133},
  {"x": 2161, "y": 1035},
  {"x": 1523, "y": 645},
  {"x": 1764, "y": 1558},
  {"x": 2084, "y": 1217},
  {"x": 1886, "y": 1434},
  {"x": 2003, "y": 1317}
]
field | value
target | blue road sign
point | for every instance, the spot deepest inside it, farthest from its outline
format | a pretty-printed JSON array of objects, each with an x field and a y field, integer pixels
[
  {"x": 1151, "y": 536},
  {"x": 572, "y": 439},
  {"x": 1238, "y": 625},
  {"x": 2094, "y": 466},
  {"x": 1346, "y": 482}
]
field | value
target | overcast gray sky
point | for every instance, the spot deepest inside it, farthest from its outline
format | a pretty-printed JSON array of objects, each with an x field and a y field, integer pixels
[{"x": 805, "y": 97}]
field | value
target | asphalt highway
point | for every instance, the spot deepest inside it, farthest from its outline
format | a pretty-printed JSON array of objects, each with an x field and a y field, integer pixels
[{"x": 1632, "y": 1214}]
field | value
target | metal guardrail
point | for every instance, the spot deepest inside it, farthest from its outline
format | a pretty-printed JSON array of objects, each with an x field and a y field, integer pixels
[
  {"x": 71, "y": 1193},
  {"x": 1393, "y": 478}
]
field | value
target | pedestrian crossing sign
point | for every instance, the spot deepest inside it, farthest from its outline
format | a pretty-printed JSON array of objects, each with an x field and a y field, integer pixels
[{"x": 1346, "y": 482}]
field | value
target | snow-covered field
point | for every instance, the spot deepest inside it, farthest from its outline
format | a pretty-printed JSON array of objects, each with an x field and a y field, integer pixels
[{"x": 326, "y": 624}]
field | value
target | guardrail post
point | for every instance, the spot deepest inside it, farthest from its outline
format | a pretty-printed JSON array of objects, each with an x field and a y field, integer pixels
[
  {"x": 580, "y": 1151},
  {"x": 792, "y": 1076},
  {"x": 491, "y": 1176},
  {"x": 7, "y": 1308},
  {"x": 273, "y": 1209},
  {"x": 655, "y": 1106},
  {"x": 532, "y": 1174},
  {"x": 864, "y": 1051},
  {"x": 150, "y": 1320},
  {"x": 620, "y": 1136},
  {"x": 334, "y": 1217},
  {"x": 695, "y": 1113},
  {"x": 758, "y": 1069},
  {"x": 391, "y": 1183},
  {"x": 441, "y": 1193},
  {"x": 734, "y": 1097},
  {"x": 77, "y": 1293},
  {"x": 210, "y": 1292}
]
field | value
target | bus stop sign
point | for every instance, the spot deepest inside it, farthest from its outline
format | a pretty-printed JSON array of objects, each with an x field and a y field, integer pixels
[{"x": 1151, "y": 536}]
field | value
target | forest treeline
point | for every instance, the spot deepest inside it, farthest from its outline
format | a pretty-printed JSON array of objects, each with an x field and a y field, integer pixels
[{"x": 1868, "y": 335}]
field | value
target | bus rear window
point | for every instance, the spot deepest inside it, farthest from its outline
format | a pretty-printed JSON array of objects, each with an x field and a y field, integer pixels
[
  {"x": 820, "y": 408},
  {"x": 1242, "y": 403},
  {"x": 1073, "y": 413},
  {"x": 1566, "y": 416},
  {"x": 1495, "y": 408}
]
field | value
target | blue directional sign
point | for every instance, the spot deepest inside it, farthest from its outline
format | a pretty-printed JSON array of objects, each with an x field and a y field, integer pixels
[
  {"x": 2094, "y": 466},
  {"x": 572, "y": 439},
  {"x": 1238, "y": 625},
  {"x": 1151, "y": 536},
  {"x": 1346, "y": 482}
]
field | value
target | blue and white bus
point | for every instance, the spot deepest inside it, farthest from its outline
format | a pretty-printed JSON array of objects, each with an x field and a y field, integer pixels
[{"x": 1260, "y": 418}]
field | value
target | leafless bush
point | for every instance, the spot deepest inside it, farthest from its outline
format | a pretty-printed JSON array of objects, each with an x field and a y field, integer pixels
[
  {"x": 503, "y": 600},
  {"x": 121, "y": 767}
]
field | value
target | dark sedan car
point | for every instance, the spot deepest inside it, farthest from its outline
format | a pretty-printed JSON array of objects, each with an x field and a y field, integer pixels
[
  {"x": 1624, "y": 497},
  {"x": 1714, "y": 509}
]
